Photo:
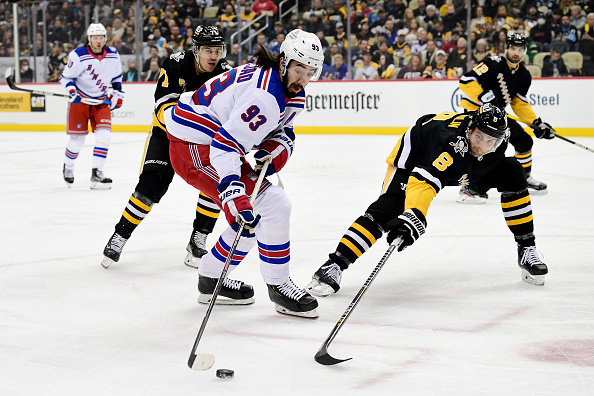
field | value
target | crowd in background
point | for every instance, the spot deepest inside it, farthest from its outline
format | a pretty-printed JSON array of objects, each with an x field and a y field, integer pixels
[{"x": 390, "y": 39}]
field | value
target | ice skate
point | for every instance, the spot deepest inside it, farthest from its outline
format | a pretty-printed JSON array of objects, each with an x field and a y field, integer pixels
[
  {"x": 536, "y": 187},
  {"x": 99, "y": 181},
  {"x": 533, "y": 269},
  {"x": 195, "y": 249},
  {"x": 233, "y": 292},
  {"x": 68, "y": 176},
  {"x": 113, "y": 250},
  {"x": 469, "y": 195},
  {"x": 291, "y": 300},
  {"x": 326, "y": 280}
]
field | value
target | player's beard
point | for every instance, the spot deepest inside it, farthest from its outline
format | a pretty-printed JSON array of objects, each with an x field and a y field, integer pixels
[{"x": 289, "y": 93}]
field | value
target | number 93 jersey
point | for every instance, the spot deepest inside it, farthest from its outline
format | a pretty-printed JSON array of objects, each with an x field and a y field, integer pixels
[{"x": 233, "y": 113}]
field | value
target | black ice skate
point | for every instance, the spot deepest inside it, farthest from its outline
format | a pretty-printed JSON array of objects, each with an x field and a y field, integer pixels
[
  {"x": 68, "y": 176},
  {"x": 469, "y": 195},
  {"x": 291, "y": 300},
  {"x": 533, "y": 270},
  {"x": 326, "y": 280},
  {"x": 99, "y": 181},
  {"x": 195, "y": 249},
  {"x": 536, "y": 186},
  {"x": 113, "y": 250},
  {"x": 233, "y": 292}
]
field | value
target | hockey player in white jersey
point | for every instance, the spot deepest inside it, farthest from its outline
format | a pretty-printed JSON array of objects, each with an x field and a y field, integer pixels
[
  {"x": 92, "y": 69},
  {"x": 211, "y": 130}
]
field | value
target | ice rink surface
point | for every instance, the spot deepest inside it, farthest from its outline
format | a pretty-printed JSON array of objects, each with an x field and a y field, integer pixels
[{"x": 448, "y": 316}]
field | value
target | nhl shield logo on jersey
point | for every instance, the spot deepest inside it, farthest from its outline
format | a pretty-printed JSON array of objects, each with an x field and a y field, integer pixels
[{"x": 460, "y": 146}]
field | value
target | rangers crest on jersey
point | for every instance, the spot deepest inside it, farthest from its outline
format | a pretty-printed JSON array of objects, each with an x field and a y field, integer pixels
[
  {"x": 460, "y": 146},
  {"x": 177, "y": 56}
]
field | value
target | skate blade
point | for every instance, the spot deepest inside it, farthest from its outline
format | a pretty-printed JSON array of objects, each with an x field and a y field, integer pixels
[
  {"x": 313, "y": 314},
  {"x": 69, "y": 185},
  {"x": 191, "y": 261},
  {"x": 471, "y": 200},
  {"x": 106, "y": 262},
  {"x": 538, "y": 192},
  {"x": 319, "y": 289},
  {"x": 221, "y": 300},
  {"x": 536, "y": 280},
  {"x": 100, "y": 186}
]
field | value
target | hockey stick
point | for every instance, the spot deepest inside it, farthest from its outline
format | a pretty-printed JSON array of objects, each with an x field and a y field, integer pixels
[
  {"x": 204, "y": 361},
  {"x": 322, "y": 356},
  {"x": 556, "y": 134},
  {"x": 12, "y": 85}
]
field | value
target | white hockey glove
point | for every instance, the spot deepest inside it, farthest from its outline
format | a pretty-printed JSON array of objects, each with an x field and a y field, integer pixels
[
  {"x": 74, "y": 96},
  {"x": 410, "y": 225},
  {"x": 543, "y": 130},
  {"x": 236, "y": 204},
  {"x": 116, "y": 99},
  {"x": 488, "y": 97}
]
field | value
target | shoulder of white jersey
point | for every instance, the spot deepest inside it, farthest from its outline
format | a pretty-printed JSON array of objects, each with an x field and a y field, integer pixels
[
  {"x": 298, "y": 101},
  {"x": 111, "y": 50},
  {"x": 81, "y": 51},
  {"x": 270, "y": 82}
]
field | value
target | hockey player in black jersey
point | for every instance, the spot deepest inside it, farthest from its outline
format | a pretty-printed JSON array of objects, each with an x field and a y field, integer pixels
[
  {"x": 448, "y": 149},
  {"x": 182, "y": 71},
  {"x": 504, "y": 81}
]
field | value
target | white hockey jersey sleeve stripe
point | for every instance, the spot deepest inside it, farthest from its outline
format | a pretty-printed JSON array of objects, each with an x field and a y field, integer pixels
[
  {"x": 184, "y": 115},
  {"x": 224, "y": 141}
]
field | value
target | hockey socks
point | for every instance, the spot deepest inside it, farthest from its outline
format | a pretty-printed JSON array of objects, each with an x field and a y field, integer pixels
[
  {"x": 207, "y": 213},
  {"x": 517, "y": 211},
  {"x": 360, "y": 236},
  {"x": 137, "y": 209}
]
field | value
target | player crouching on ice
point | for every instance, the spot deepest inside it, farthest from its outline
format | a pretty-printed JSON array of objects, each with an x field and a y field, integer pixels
[
  {"x": 448, "y": 149},
  {"x": 211, "y": 130}
]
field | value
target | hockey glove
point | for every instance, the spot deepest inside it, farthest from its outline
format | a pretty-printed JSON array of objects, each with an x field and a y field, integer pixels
[
  {"x": 116, "y": 99},
  {"x": 235, "y": 202},
  {"x": 543, "y": 130},
  {"x": 488, "y": 97},
  {"x": 277, "y": 150},
  {"x": 410, "y": 225},
  {"x": 74, "y": 96}
]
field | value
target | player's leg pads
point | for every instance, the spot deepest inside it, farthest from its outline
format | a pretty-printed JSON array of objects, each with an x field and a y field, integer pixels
[
  {"x": 291, "y": 300},
  {"x": 470, "y": 195},
  {"x": 234, "y": 292},
  {"x": 113, "y": 250},
  {"x": 533, "y": 269},
  {"x": 195, "y": 249}
]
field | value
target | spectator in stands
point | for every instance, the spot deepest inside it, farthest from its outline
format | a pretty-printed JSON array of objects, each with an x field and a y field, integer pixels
[
  {"x": 451, "y": 20},
  {"x": 340, "y": 38},
  {"x": 56, "y": 62},
  {"x": 390, "y": 32},
  {"x": 542, "y": 34},
  {"x": 154, "y": 56},
  {"x": 437, "y": 33},
  {"x": 481, "y": 51},
  {"x": 132, "y": 73},
  {"x": 514, "y": 8},
  {"x": 322, "y": 36},
  {"x": 452, "y": 44},
  {"x": 368, "y": 70},
  {"x": 383, "y": 49},
  {"x": 148, "y": 28},
  {"x": 401, "y": 49},
  {"x": 313, "y": 23},
  {"x": 378, "y": 19},
  {"x": 186, "y": 42},
  {"x": 233, "y": 57},
  {"x": 396, "y": 9},
  {"x": 385, "y": 69},
  {"x": 428, "y": 55},
  {"x": 3, "y": 50},
  {"x": 260, "y": 40},
  {"x": 187, "y": 25},
  {"x": 566, "y": 32},
  {"x": 338, "y": 71},
  {"x": 153, "y": 72},
  {"x": 228, "y": 19},
  {"x": 556, "y": 21},
  {"x": 189, "y": 9},
  {"x": 429, "y": 20},
  {"x": 365, "y": 32},
  {"x": 57, "y": 32},
  {"x": 587, "y": 46},
  {"x": 337, "y": 13},
  {"x": 118, "y": 28},
  {"x": 499, "y": 43},
  {"x": 330, "y": 53},
  {"x": 478, "y": 22},
  {"x": 553, "y": 65},
  {"x": 413, "y": 70},
  {"x": 421, "y": 10},
  {"x": 174, "y": 35},
  {"x": 264, "y": 6},
  {"x": 421, "y": 44},
  {"x": 502, "y": 20},
  {"x": 276, "y": 29},
  {"x": 316, "y": 8},
  {"x": 119, "y": 45},
  {"x": 458, "y": 58},
  {"x": 26, "y": 71},
  {"x": 438, "y": 68},
  {"x": 77, "y": 32},
  {"x": 275, "y": 44},
  {"x": 150, "y": 43},
  {"x": 358, "y": 53}
]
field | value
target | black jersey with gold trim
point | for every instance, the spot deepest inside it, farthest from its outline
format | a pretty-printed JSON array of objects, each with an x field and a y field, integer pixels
[
  {"x": 509, "y": 86},
  {"x": 435, "y": 152},
  {"x": 178, "y": 75}
]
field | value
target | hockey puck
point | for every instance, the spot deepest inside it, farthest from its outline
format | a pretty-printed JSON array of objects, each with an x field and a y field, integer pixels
[{"x": 225, "y": 373}]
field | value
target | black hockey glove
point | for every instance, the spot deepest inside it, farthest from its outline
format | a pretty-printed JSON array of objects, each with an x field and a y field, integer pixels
[
  {"x": 410, "y": 225},
  {"x": 543, "y": 130},
  {"x": 488, "y": 97}
]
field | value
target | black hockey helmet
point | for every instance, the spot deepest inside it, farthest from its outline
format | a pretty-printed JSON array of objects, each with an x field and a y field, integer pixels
[
  {"x": 209, "y": 36},
  {"x": 516, "y": 39},
  {"x": 491, "y": 120}
]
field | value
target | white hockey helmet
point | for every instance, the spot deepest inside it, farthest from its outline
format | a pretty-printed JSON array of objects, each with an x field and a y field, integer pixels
[
  {"x": 305, "y": 48},
  {"x": 96, "y": 29}
]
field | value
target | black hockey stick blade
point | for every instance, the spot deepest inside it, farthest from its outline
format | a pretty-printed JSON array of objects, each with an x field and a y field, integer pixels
[
  {"x": 201, "y": 361},
  {"x": 323, "y": 357},
  {"x": 8, "y": 75}
]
